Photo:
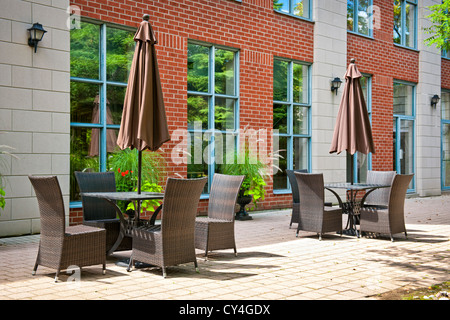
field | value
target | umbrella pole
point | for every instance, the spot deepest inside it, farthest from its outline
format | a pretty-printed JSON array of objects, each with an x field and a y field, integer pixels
[
  {"x": 351, "y": 168},
  {"x": 139, "y": 171}
]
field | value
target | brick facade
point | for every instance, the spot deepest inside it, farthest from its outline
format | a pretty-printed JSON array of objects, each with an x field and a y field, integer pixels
[{"x": 260, "y": 34}]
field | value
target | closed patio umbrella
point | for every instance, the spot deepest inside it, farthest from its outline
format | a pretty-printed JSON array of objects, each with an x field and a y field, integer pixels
[
  {"x": 352, "y": 132},
  {"x": 144, "y": 123}
]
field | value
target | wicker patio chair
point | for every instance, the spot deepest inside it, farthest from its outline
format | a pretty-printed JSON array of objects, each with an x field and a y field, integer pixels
[
  {"x": 61, "y": 246},
  {"x": 314, "y": 215},
  {"x": 388, "y": 220},
  {"x": 216, "y": 231},
  {"x": 97, "y": 212},
  {"x": 171, "y": 242},
  {"x": 296, "y": 196},
  {"x": 380, "y": 196}
]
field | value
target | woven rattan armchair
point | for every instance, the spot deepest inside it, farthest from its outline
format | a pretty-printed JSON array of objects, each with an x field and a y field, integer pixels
[
  {"x": 171, "y": 242},
  {"x": 314, "y": 216},
  {"x": 379, "y": 196},
  {"x": 216, "y": 231},
  {"x": 61, "y": 247},
  {"x": 296, "y": 196},
  {"x": 97, "y": 212},
  {"x": 388, "y": 219}
]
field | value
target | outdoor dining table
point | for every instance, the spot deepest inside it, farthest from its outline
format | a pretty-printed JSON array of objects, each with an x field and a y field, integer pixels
[
  {"x": 127, "y": 224},
  {"x": 352, "y": 205}
]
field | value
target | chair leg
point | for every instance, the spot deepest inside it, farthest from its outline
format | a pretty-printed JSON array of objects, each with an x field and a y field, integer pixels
[
  {"x": 235, "y": 251},
  {"x": 196, "y": 266},
  {"x": 57, "y": 275},
  {"x": 130, "y": 264},
  {"x": 104, "y": 268},
  {"x": 34, "y": 269},
  {"x": 406, "y": 235},
  {"x": 164, "y": 272},
  {"x": 392, "y": 237},
  {"x": 320, "y": 236}
]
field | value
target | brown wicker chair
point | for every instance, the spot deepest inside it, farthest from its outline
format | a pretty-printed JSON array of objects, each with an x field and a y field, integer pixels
[
  {"x": 379, "y": 196},
  {"x": 171, "y": 242},
  {"x": 388, "y": 219},
  {"x": 314, "y": 215},
  {"x": 295, "y": 196},
  {"x": 216, "y": 231},
  {"x": 61, "y": 246},
  {"x": 97, "y": 212}
]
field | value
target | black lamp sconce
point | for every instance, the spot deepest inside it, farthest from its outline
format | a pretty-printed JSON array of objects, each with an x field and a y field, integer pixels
[
  {"x": 335, "y": 84},
  {"x": 36, "y": 33},
  {"x": 434, "y": 100}
]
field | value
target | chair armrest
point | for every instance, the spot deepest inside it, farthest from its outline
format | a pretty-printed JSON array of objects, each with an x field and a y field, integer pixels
[
  {"x": 337, "y": 197},
  {"x": 151, "y": 222}
]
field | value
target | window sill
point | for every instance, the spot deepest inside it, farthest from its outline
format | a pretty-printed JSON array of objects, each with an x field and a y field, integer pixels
[
  {"x": 294, "y": 16},
  {"x": 282, "y": 192},
  {"x": 404, "y": 47},
  {"x": 361, "y": 35}
]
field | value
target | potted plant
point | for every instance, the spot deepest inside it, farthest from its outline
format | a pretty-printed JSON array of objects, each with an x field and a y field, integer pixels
[{"x": 252, "y": 189}]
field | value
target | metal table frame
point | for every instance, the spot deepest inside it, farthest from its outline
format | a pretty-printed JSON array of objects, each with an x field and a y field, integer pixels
[
  {"x": 352, "y": 206},
  {"x": 127, "y": 225}
]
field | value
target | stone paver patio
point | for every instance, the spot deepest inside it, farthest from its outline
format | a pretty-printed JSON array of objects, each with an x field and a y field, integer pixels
[{"x": 272, "y": 264}]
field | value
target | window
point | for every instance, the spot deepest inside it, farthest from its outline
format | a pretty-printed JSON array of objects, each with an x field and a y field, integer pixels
[
  {"x": 404, "y": 127},
  {"x": 100, "y": 59},
  {"x": 359, "y": 16},
  {"x": 213, "y": 108},
  {"x": 405, "y": 18},
  {"x": 445, "y": 125},
  {"x": 298, "y": 8},
  {"x": 446, "y": 54},
  {"x": 291, "y": 118},
  {"x": 362, "y": 162}
]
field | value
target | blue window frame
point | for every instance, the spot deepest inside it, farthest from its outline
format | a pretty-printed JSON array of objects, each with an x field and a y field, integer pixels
[
  {"x": 405, "y": 23},
  {"x": 445, "y": 139},
  {"x": 291, "y": 119},
  {"x": 445, "y": 54},
  {"x": 101, "y": 56},
  {"x": 362, "y": 162},
  {"x": 295, "y": 8},
  {"x": 404, "y": 129},
  {"x": 360, "y": 17},
  {"x": 213, "y": 108}
]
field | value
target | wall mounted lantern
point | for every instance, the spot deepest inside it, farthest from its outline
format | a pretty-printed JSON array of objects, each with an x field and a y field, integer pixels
[
  {"x": 36, "y": 33},
  {"x": 434, "y": 100},
  {"x": 335, "y": 84}
]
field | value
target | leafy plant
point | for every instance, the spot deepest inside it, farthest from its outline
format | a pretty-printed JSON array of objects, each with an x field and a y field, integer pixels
[
  {"x": 4, "y": 150},
  {"x": 440, "y": 28},
  {"x": 125, "y": 166},
  {"x": 247, "y": 164}
]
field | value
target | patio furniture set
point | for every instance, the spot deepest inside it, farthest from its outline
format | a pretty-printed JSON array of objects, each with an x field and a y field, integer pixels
[{"x": 173, "y": 241}]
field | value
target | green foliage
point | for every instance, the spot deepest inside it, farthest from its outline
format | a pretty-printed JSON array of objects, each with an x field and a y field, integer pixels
[
  {"x": 124, "y": 164},
  {"x": 440, "y": 29},
  {"x": 247, "y": 164},
  {"x": 4, "y": 150},
  {"x": 148, "y": 205}
]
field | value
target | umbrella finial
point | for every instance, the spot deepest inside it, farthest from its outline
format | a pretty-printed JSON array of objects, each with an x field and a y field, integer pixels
[
  {"x": 352, "y": 60},
  {"x": 146, "y": 17}
]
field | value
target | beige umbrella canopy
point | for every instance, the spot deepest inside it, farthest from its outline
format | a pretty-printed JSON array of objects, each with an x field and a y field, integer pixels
[
  {"x": 144, "y": 123},
  {"x": 352, "y": 132}
]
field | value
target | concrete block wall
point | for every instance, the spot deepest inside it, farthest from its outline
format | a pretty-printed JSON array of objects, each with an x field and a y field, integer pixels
[
  {"x": 428, "y": 119},
  {"x": 34, "y": 107}
]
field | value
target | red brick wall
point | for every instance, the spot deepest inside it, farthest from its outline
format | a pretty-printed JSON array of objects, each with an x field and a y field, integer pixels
[
  {"x": 445, "y": 73},
  {"x": 385, "y": 62},
  {"x": 252, "y": 26},
  {"x": 260, "y": 34}
]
